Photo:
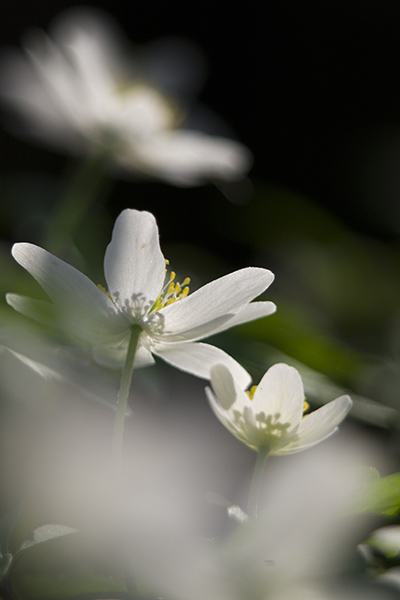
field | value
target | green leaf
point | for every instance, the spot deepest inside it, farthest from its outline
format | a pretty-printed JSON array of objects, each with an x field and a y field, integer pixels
[
  {"x": 382, "y": 495},
  {"x": 45, "y": 533},
  {"x": 59, "y": 562}
]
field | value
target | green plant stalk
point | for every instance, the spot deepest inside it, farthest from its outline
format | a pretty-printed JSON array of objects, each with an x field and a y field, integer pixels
[
  {"x": 87, "y": 182},
  {"x": 123, "y": 395},
  {"x": 256, "y": 482}
]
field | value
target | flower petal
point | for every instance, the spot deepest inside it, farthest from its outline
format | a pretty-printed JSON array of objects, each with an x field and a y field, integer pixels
[
  {"x": 188, "y": 157},
  {"x": 208, "y": 309},
  {"x": 39, "y": 310},
  {"x": 114, "y": 357},
  {"x": 198, "y": 359},
  {"x": 134, "y": 265},
  {"x": 251, "y": 312},
  {"x": 223, "y": 386},
  {"x": 84, "y": 309},
  {"x": 280, "y": 391},
  {"x": 319, "y": 425}
]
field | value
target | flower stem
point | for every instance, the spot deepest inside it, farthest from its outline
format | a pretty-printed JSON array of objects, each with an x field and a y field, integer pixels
[
  {"x": 86, "y": 184},
  {"x": 255, "y": 489},
  {"x": 123, "y": 394}
]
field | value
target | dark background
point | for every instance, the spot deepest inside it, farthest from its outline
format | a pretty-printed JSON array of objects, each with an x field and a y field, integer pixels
[{"x": 311, "y": 87}]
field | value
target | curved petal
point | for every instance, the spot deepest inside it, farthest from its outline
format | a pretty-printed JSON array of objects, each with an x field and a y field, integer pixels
[
  {"x": 83, "y": 306},
  {"x": 226, "y": 418},
  {"x": 114, "y": 357},
  {"x": 38, "y": 310},
  {"x": 189, "y": 157},
  {"x": 87, "y": 327},
  {"x": 251, "y": 312},
  {"x": 212, "y": 306},
  {"x": 319, "y": 425},
  {"x": 198, "y": 359},
  {"x": 134, "y": 265},
  {"x": 223, "y": 386},
  {"x": 90, "y": 39},
  {"x": 280, "y": 391}
]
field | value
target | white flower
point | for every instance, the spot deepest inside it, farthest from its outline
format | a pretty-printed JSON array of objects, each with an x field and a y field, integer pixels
[
  {"x": 273, "y": 416},
  {"x": 76, "y": 91},
  {"x": 172, "y": 321}
]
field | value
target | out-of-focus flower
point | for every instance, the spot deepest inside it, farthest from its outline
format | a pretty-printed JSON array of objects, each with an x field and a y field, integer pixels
[
  {"x": 139, "y": 292},
  {"x": 296, "y": 549},
  {"x": 77, "y": 91},
  {"x": 271, "y": 414}
]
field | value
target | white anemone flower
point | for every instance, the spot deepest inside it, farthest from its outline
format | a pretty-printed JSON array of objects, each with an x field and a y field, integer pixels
[
  {"x": 271, "y": 414},
  {"x": 76, "y": 91},
  {"x": 139, "y": 292}
]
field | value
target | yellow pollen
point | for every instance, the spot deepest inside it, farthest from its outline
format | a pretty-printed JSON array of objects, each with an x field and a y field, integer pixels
[
  {"x": 251, "y": 392},
  {"x": 306, "y": 406},
  {"x": 172, "y": 291},
  {"x": 103, "y": 289}
]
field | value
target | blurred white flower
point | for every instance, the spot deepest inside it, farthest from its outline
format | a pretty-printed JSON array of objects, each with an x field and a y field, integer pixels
[
  {"x": 135, "y": 271},
  {"x": 296, "y": 549},
  {"x": 271, "y": 414},
  {"x": 76, "y": 91}
]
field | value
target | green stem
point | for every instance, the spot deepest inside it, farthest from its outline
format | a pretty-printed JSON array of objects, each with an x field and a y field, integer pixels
[
  {"x": 256, "y": 482},
  {"x": 86, "y": 184},
  {"x": 123, "y": 394}
]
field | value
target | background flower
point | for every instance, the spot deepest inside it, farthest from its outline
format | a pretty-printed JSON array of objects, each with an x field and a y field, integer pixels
[{"x": 77, "y": 90}]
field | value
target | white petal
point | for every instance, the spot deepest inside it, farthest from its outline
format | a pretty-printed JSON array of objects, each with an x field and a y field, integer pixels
[
  {"x": 84, "y": 326},
  {"x": 134, "y": 266},
  {"x": 87, "y": 38},
  {"x": 189, "y": 157},
  {"x": 197, "y": 358},
  {"x": 23, "y": 92},
  {"x": 40, "y": 311},
  {"x": 114, "y": 357},
  {"x": 207, "y": 310},
  {"x": 83, "y": 305},
  {"x": 251, "y": 312},
  {"x": 56, "y": 75},
  {"x": 280, "y": 391},
  {"x": 223, "y": 386},
  {"x": 225, "y": 417},
  {"x": 319, "y": 425}
]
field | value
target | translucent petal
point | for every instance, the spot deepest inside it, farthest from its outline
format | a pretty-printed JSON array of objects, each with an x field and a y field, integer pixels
[
  {"x": 188, "y": 157},
  {"x": 223, "y": 386},
  {"x": 208, "y": 309},
  {"x": 225, "y": 417},
  {"x": 251, "y": 312},
  {"x": 114, "y": 357},
  {"x": 280, "y": 392},
  {"x": 197, "y": 358},
  {"x": 84, "y": 308},
  {"x": 134, "y": 265},
  {"x": 319, "y": 425}
]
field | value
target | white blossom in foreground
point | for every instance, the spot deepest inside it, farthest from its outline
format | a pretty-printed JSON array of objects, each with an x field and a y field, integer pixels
[
  {"x": 299, "y": 547},
  {"x": 135, "y": 271},
  {"x": 76, "y": 91},
  {"x": 271, "y": 415}
]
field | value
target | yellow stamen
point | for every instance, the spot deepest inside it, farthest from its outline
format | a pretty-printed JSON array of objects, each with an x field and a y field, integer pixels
[
  {"x": 251, "y": 392},
  {"x": 103, "y": 289},
  {"x": 306, "y": 407},
  {"x": 172, "y": 291}
]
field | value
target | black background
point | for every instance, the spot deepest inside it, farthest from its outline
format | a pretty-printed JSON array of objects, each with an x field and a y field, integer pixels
[{"x": 312, "y": 88}]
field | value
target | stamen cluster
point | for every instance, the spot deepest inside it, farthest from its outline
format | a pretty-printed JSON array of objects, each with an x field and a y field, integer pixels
[{"x": 172, "y": 291}]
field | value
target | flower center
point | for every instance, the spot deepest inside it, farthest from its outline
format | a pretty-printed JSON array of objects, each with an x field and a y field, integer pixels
[{"x": 172, "y": 291}]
